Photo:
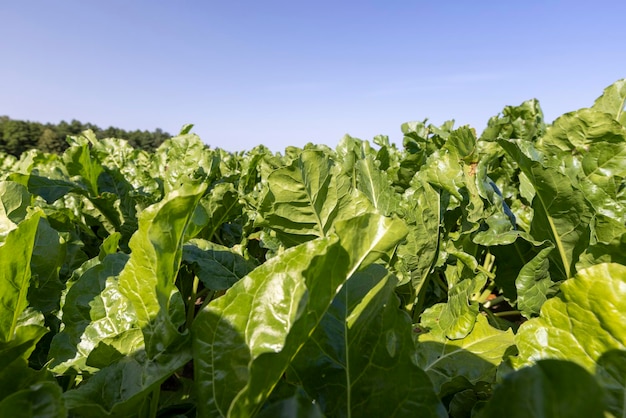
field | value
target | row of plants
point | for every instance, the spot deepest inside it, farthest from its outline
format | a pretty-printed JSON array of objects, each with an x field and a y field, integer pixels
[{"x": 459, "y": 275}]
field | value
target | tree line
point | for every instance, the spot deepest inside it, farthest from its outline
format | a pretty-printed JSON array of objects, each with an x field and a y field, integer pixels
[{"x": 17, "y": 136}]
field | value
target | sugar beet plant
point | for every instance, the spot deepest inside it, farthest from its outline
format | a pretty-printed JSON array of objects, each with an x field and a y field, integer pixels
[{"x": 456, "y": 275}]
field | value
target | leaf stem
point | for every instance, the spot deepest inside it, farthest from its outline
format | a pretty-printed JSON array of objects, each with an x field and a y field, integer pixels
[
  {"x": 488, "y": 290},
  {"x": 154, "y": 402},
  {"x": 507, "y": 313},
  {"x": 486, "y": 272},
  {"x": 492, "y": 302},
  {"x": 191, "y": 307}
]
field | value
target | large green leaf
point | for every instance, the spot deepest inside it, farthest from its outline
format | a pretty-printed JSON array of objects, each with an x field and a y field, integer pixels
[
  {"x": 297, "y": 405},
  {"x": 180, "y": 158},
  {"x": 222, "y": 205},
  {"x": 418, "y": 253},
  {"x": 93, "y": 310},
  {"x": 15, "y": 273},
  {"x": 610, "y": 373},
  {"x": 306, "y": 198},
  {"x": 550, "y": 388},
  {"x": 79, "y": 163},
  {"x": 14, "y": 199},
  {"x": 561, "y": 213},
  {"x": 525, "y": 121},
  {"x": 244, "y": 341},
  {"x": 577, "y": 132},
  {"x": 363, "y": 340},
  {"x": 40, "y": 400},
  {"x": 612, "y": 101},
  {"x": 602, "y": 178},
  {"x": 474, "y": 358},
  {"x": 522, "y": 268},
  {"x": 582, "y": 325},
  {"x": 375, "y": 185},
  {"x": 218, "y": 267},
  {"x": 15, "y": 375},
  {"x": 48, "y": 256},
  {"x": 148, "y": 279},
  {"x": 123, "y": 388}
]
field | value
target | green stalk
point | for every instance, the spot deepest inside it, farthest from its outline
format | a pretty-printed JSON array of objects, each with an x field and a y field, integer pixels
[
  {"x": 507, "y": 313},
  {"x": 154, "y": 402},
  {"x": 209, "y": 298},
  {"x": 493, "y": 302},
  {"x": 191, "y": 307},
  {"x": 483, "y": 296}
]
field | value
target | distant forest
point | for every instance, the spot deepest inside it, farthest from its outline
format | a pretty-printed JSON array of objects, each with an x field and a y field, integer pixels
[{"x": 17, "y": 136}]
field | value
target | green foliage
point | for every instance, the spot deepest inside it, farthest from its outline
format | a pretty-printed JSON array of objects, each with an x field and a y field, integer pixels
[{"x": 459, "y": 275}]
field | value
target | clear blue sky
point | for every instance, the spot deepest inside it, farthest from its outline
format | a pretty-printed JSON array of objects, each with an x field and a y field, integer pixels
[{"x": 289, "y": 72}]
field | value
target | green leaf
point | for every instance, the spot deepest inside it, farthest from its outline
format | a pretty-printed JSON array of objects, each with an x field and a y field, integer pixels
[
  {"x": 582, "y": 325},
  {"x": 123, "y": 388},
  {"x": 148, "y": 279},
  {"x": 610, "y": 374},
  {"x": 444, "y": 171},
  {"x": 185, "y": 129},
  {"x": 475, "y": 357},
  {"x": 79, "y": 162},
  {"x": 522, "y": 269},
  {"x": 612, "y": 252},
  {"x": 612, "y": 101},
  {"x": 550, "y": 388},
  {"x": 586, "y": 321},
  {"x": 375, "y": 185},
  {"x": 525, "y": 121},
  {"x": 14, "y": 200},
  {"x": 245, "y": 340},
  {"x": 363, "y": 340},
  {"x": 602, "y": 178},
  {"x": 561, "y": 213},
  {"x": 222, "y": 205},
  {"x": 94, "y": 310},
  {"x": 182, "y": 158},
  {"x": 218, "y": 267},
  {"x": 458, "y": 316},
  {"x": 15, "y": 373},
  {"x": 305, "y": 199},
  {"x": 41, "y": 400},
  {"x": 51, "y": 189},
  {"x": 418, "y": 252},
  {"x": 462, "y": 142},
  {"x": 15, "y": 274},
  {"x": 298, "y": 405},
  {"x": 47, "y": 258},
  {"x": 577, "y": 132}
]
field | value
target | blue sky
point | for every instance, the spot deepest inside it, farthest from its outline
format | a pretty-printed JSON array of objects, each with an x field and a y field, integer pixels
[{"x": 285, "y": 73}]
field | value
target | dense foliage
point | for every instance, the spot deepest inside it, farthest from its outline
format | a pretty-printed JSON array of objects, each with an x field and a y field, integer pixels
[
  {"x": 17, "y": 136},
  {"x": 456, "y": 276}
]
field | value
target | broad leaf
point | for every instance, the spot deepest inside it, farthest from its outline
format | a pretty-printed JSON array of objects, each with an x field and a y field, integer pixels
[
  {"x": 40, "y": 400},
  {"x": 550, "y": 388},
  {"x": 305, "y": 199},
  {"x": 475, "y": 357},
  {"x": 92, "y": 313},
  {"x": 15, "y": 274},
  {"x": 244, "y": 341},
  {"x": 218, "y": 267},
  {"x": 613, "y": 100},
  {"x": 582, "y": 325},
  {"x": 123, "y": 388},
  {"x": 377, "y": 346},
  {"x": 561, "y": 213},
  {"x": 149, "y": 276}
]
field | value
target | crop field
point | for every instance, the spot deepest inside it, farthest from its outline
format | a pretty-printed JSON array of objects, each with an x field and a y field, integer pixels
[{"x": 456, "y": 275}]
